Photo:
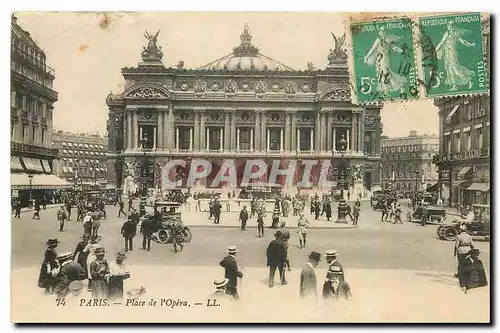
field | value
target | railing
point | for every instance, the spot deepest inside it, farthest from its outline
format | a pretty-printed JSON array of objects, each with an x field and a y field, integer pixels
[
  {"x": 35, "y": 62},
  {"x": 23, "y": 147}
]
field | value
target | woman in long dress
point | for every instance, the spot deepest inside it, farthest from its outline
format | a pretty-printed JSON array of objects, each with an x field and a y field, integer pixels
[
  {"x": 378, "y": 56},
  {"x": 446, "y": 50}
]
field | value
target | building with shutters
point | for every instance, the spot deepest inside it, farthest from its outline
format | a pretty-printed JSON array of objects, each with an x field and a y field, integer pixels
[
  {"x": 407, "y": 163},
  {"x": 464, "y": 158},
  {"x": 242, "y": 106},
  {"x": 82, "y": 158},
  {"x": 31, "y": 115}
]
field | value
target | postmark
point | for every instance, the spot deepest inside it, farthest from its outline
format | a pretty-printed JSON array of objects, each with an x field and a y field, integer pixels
[
  {"x": 453, "y": 61},
  {"x": 384, "y": 60}
]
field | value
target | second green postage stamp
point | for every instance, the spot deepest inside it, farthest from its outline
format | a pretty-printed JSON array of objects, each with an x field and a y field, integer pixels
[
  {"x": 384, "y": 60},
  {"x": 452, "y": 55}
]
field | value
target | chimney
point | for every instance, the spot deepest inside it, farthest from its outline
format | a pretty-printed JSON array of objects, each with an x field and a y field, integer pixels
[{"x": 413, "y": 133}]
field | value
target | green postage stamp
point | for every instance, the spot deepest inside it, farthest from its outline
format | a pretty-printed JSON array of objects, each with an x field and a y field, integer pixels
[
  {"x": 384, "y": 60},
  {"x": 453, "y": 60}
]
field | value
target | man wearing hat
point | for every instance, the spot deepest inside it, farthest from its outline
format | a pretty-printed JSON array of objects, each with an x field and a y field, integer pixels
[
  {"x": 243, "y": 217},
  {"x": 276, "y": 258},
  {"x": 220, "y": 293},
  {"x": 50, "y": 266},
  {"x": 331, "y": 260},
  {"x": 69, "y": 271},
  {"x": 147, "y": 229},
  {"x": 118, "y": 274},
  {"x": 335, "y": 286},
  {"x": 302, "y": 226},
  {"x": 87, "y": 223},
  {"x": 276, "y": 219},
  {"x": 128, "y": 231},
  {"x": 99, "y": 272},
  {"x": 463, "y": 244},
  {"x": 231, "y": 271},
  {"x": 260, "y": 224},
  {"x": 80, "y": 254},
  {"x": 308, "y": 277},
  {"x": 61, "y": 217}
]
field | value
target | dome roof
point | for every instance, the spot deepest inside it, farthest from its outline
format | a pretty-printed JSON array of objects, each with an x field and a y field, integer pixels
[{"x": 246, "y": 57}]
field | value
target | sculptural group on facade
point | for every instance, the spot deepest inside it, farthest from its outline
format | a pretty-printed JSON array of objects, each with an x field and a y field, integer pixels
[
  {"x": 338, "y": 53},
  {"x": 152, "y": 51}
]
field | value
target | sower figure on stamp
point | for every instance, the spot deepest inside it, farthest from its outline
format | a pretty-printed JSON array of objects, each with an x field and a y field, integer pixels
[{"x": 231, "y": 271}]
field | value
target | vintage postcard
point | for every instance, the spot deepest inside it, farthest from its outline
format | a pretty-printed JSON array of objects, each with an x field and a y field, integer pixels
[{"x": 262, "y": 167}]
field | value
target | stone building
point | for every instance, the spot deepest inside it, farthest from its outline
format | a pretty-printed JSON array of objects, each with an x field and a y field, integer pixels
[
  {"x": 82, "y": 158},
  {"x": 464, "y": 144},
  {"x": 242, "y": 106},
  {"x": 31, "y": 113},
  {"x": 407, "y": 163}
]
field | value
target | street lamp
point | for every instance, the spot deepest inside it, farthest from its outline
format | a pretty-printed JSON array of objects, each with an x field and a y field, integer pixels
[
  {"x": 417, "y": 172},
  {"x": 144, "y": 181},
  {"x": 30, "y": 179},
  {"x": 341, "y": 182}
]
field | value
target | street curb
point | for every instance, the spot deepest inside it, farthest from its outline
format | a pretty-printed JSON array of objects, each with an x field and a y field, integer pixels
[{"x": 267, "y": 228}]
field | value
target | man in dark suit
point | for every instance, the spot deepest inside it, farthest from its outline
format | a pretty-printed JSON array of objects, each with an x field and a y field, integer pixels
[
  {"x": 147, "y": 229},
  {"x": 334, "y": 286},
  {"x": 308, "y": 287},
  {"x": 244, "y": 217},
  {"x": 129, "y": 229},
  {"x": 331, "y": 260},
  {"x": 217, "y": 211},
  {"x": 231, "y": 271},
  {"x": 276, "y": 258}
]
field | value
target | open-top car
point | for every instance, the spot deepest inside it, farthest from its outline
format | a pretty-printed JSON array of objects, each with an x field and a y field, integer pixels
[
  {"x": 427, "y": 214},
  {"x": 167, "y": 217},
  {"x": 479, "y": 226}
]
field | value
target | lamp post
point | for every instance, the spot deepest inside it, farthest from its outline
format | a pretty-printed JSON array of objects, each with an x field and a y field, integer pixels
[
  {"x": 341, "y": 182},
  {"x": 417, "y": 172},
  {"x": 30, "y": 179},
  {"x": 144, "y": 184}
]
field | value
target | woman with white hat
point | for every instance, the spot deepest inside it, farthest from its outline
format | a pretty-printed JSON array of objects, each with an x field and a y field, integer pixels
[{"x": 463, "y": 244}]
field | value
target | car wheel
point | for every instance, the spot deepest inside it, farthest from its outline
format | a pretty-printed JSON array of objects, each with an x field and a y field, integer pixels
[
  {"x": 163, "y": 236},
  {"x": 450, "y": 233}
]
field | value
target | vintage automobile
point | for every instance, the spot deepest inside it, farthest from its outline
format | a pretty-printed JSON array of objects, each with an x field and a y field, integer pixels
[
  {"x": 166, "y": 217},
  {"x": 479, "y": 226},
  {"x": 427, "y": 214}
]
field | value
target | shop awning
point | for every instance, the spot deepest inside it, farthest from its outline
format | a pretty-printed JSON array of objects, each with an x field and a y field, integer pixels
[
  {"x": 464, "y": 171},
  {"x": 15, "y": 163},
  {"x": 433, "y": 188},
  {"x": 482, "y": 187},
  {"x": 46, "y": 166},
  {"x": 32, "y": 164},
  {"x": 20, "y": 181}
]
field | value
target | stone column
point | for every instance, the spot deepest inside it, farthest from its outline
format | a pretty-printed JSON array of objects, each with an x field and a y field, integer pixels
[
  {"x": 203, "y": 130},
  {"x": 354, "y": 129},
  {"x": 233, "y": 143},
  {"x": 159, "y": 131},
  {"x": 317, "y": 130},
  {"x": 288, "y": 137},
  {"x": 257, "y": 130},
  {"x": 134, "y": 130},
  {"x": 360, "y": 132},
  {"x": 297, "y": 148},
  {"x": 191, "y": 139},
  {"x": 251, "y": 140},
  {"x": 334, "y": 139},
  {"x": 221, "y": 141},
  {"x": 312, "y": 140},
  {"x": 177, "y": 138},
  {"x": 238, "y": 139},
  {"x": 227, "y": 131},
  {"x": 281, "y": 139},
  {"x": 164, "y": 134},
  {"x": 324, "y": 132},
  {"x": 295, "y": 138},
  {"x": 207, "y": 147},
  {"x": 268, "y": 139},
  {"x": 125, "y": 124},
  {"x": 196, "y": 136},
  {"x": 263, "y": 131},
  {"x": 154, "y": 137},
  {"x": 348, "y": 138},
  {"x": 328, "y": 132}
]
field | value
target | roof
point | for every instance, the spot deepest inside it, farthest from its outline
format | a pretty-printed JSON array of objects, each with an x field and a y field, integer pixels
[
  {"x": 20, "y": 33},
  {"x": 246, "y": 57}
]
